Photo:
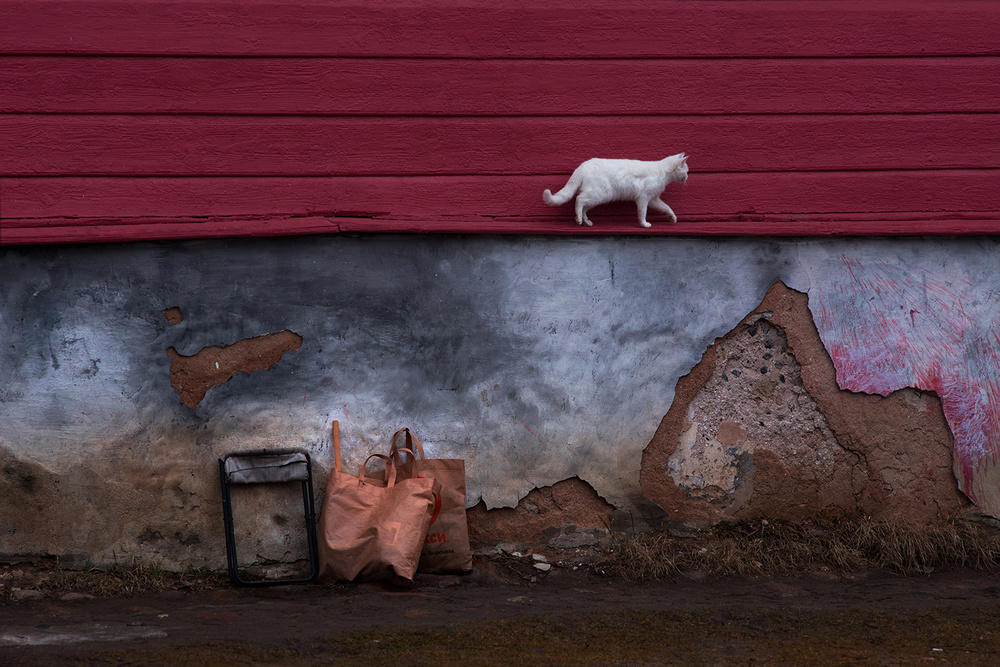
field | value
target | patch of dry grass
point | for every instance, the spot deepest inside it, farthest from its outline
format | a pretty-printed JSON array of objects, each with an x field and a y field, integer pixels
[
  {"x": 762, "y": 547},
  {"x": 119, "y": 580}
]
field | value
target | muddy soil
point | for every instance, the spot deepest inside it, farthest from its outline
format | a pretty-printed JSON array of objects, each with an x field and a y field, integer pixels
[{"x": 566, "y": 617}]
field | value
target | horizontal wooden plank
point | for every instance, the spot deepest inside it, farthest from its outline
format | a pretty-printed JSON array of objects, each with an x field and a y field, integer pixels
[
  {"x": 325, "y": 86},
  {"x": 319, "y": 146},
  {"x": 517, "y": 28},
  {"x": 148, "y": 230},
  {"x": 723, "y": 196},
  {"x": 615, "y": 216},
  {"x": 109, "y": 231}
]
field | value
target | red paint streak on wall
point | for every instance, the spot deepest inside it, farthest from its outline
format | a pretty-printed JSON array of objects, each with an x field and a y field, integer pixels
[{"x": 923, "y": 330}]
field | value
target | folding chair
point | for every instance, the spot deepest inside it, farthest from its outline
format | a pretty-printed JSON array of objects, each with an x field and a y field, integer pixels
[{"x": 266, "y": 467}]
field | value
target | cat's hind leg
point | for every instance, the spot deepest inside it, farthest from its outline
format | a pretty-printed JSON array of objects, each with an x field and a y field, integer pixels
[
  {"x": 658, "y": 205},
  {"x": 582, "y": 206}
]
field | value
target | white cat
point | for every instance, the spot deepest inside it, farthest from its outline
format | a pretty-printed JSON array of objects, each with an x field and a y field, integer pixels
[{"x": 599, "y": 181}]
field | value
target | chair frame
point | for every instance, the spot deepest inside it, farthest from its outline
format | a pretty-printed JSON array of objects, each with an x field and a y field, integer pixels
[{"x": 232, "y": 563}]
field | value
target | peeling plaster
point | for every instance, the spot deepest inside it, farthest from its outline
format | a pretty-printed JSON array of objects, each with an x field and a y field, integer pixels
[
  {"x": 753, "y": 400},
  {"x": 192, "y": 376},
  {"x": 566, "y": 515},
  {"x": 752, "y": 432},
  {"x": 173, "y": 315},
  {"x": 578, "y": 363},
  {"x": 928, "y": 319}
]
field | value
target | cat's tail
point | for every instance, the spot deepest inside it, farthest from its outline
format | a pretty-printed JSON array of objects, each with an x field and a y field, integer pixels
[{"x": 564, "y": 195}]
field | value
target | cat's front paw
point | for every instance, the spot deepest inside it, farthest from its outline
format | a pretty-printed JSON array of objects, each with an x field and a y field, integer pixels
[{"x": 644, "y": 224}]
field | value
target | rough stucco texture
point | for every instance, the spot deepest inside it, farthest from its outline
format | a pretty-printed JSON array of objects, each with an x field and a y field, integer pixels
[
  {"x": 535, "y": 360},
  {"x": 566, "y": 515},
  {"x": 920, "y": 324},
  {"x": 752, "y": 432}
]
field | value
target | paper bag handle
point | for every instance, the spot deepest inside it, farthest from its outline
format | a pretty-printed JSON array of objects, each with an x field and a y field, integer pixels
[
  {"x": 412, "y": 444},
  {"x": 390, "y": 477},
  {"x": 413, "y": 472}
]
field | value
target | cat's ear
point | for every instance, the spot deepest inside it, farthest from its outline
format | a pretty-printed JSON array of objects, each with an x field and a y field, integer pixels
[{"x": 684, "y": 158}]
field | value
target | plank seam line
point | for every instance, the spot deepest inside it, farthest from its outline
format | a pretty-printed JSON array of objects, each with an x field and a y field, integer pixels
[
  {"x": 475, "y": 116},
  {"x": 278, "y": 55},
  {"x": 490, "y": 175}
]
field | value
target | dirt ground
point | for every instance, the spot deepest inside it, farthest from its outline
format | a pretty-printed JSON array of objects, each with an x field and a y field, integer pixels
[{"x": 495, "y": 617}]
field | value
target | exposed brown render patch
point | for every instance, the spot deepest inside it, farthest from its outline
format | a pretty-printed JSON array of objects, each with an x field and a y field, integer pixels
[
  {"x": 567, "y": 515},
  {"x": 787, "y": 442},
  {"x": 193, "y": 376},
  {"x": 173, "y": 315}
]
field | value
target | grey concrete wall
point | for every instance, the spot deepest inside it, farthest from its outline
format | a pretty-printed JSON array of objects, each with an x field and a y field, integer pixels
[{"x": 534, "y": 359}]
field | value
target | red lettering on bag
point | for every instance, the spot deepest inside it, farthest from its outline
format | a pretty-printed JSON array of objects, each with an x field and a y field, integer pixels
[
  {"x": 434, "y": 538},
  {"x": 437, "y": 510}
]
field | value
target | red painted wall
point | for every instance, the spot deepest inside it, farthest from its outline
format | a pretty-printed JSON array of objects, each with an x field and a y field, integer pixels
[{"x": 183, "y": 119}]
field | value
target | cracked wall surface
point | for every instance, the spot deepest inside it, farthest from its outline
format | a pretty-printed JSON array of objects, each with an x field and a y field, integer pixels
[
  {"x": 752, "y": 432},
  {"x": 535, "y": 360},
  {"x": 753, "y": 402},
  {"x": 919, "y": 323},
  {"x": 567, "y": 515}
]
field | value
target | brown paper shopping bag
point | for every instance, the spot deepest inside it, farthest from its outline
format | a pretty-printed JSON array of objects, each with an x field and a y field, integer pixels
[
  {"x": 446, "y": 546},
  {"x": 372, "y": 529}
]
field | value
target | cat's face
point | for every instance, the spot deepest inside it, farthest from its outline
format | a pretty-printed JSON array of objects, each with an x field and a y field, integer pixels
[{"x": 681, "y": 170}]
